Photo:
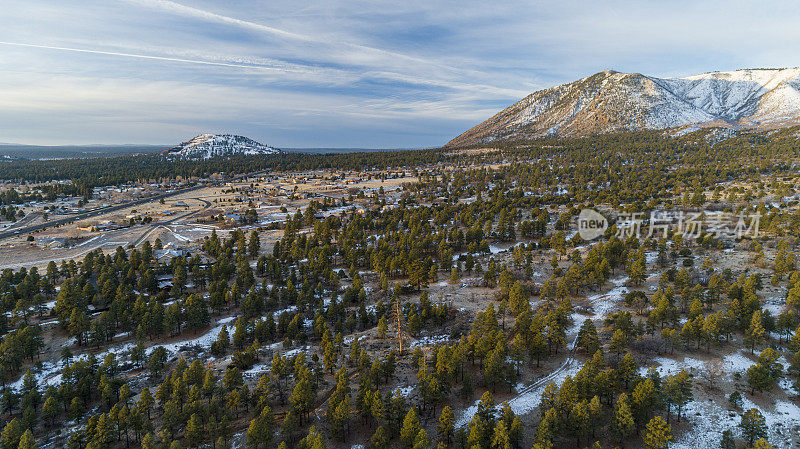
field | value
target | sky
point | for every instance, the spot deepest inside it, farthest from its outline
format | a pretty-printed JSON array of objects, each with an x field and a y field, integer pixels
[{"x": 342, "y": 73}]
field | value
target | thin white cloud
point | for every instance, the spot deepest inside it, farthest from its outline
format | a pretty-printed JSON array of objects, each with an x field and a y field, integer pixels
[
  {"x": 133, "y": 55},
  {"x": 368, "y": 51}
]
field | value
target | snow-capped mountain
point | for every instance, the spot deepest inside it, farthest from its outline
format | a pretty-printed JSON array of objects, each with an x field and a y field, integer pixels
[
  {"x": 206, "y": 146},
  {"x": 613, "y": 101}
]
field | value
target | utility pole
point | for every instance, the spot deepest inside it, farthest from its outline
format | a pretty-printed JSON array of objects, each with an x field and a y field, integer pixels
[{"x": 399, "y": 324}]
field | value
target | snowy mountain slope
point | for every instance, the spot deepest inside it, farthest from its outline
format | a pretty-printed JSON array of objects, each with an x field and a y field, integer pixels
[
  {"x": 206, "y": 146},
  {"x": 612, "y": 101}
]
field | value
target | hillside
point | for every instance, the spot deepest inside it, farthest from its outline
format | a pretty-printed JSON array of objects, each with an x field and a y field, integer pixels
[
  {"x": 206, "y": 146},
  {"x": 612, "y": 101}
]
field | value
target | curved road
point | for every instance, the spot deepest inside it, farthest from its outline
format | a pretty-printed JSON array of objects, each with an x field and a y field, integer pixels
[{"x": 141, "y": 239}]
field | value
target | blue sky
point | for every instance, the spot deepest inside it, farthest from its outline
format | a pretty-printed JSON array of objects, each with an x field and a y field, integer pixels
[{"x": 342, "y": 73}]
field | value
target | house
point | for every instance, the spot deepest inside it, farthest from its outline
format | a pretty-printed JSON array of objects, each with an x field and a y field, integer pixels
[
  {"x": 168, "y": 253},
  {"x": 51, "y": 242},
  {"x": 165, "y": 281}
]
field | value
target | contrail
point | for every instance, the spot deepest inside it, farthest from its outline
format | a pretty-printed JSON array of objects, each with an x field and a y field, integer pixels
[{"x": 140, "y": 56}]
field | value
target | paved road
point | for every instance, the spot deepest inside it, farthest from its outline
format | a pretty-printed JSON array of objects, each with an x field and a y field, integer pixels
[
  {"x": 105, "y": 210},
  {"x": 206, "y": 205},
  {"x": 93, "y": 213}
]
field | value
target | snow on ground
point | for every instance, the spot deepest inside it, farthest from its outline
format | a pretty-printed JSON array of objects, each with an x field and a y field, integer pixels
[
  {"x": 787, "y": 385},
  {"x": 732, "y": 363},
  {"x": 737, "y": 363},
  {"x": 89, "y": 241},
  {"x": 776, "y": 303},
  {"x": 782, "y": 421},
  {"x": 50, "y": 374},
  {"x": 529, "y": 400},
  {"x": 293, "y": 352},
  {"x": 774, "y": 309},
  {"x": 349, "y": 339},
  {"x": 529, "y": 397},
  {"x": 572, "y": 331},
  {"x": 257, "y": 370},
  {"x": 404, "y": 391},
  {"x": 337, "y": 210},
  {"x": 430, "y": 340},
  {"x": 605, "y": 303},
  {"x": 670, "y": 366},
  {"x": 181, "y": 237},
  {"x": 204, "y": 341},
  {"x": 289, "y": 309},
  {"x": 708, "y": 421},
  {"x": 494, "y": 249}
]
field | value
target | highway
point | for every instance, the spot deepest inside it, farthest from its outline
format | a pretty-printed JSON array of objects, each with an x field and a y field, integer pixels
[
  {"x": 104, "y": 210},
  {"x": 93, "y": 213}
]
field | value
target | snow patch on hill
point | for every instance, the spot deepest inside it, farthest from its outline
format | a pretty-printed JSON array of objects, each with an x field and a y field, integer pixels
[
  {"x": 612, "y": 101},
  {"x": 206, "y": 146}
]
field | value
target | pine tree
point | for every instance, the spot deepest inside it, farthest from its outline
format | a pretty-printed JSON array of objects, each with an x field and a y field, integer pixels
[
  {"x": 638, "y": 271},
  {"x": 595, "y": 409},
  {"x": 727, "y": 441},
  {"x": 500, "y": 437},
  {"x": 622, "y": 423},
  {"x": 11, "y": 434},
  {"x": 587, "y": 337},
  {"x": 626, "y": 369},
  {"x": 148, "y": 442},
  {"x": 765, "y": 373},
  {"x": 50, "y": 410},
  {"x": 379, "y": 439},
  {"x": 259, "y": 433},
  {"x": 145, "y": 403},
  {"x": 254, "y": 245},
  {"x": 341, "y": 416},
  {"x": 579, "y": 420},
  {"x": 753, "y": 425},
  {"x": 759, "y": 379},
  {"x": 643, "y": 400},
  {"x": 194, "y": 431},
  {"x": 678, "y": 391},
  {"x": 658, "y": 434},
  {"x": 411, "y": 427},
  {"x": 518, "y": 298},
  {"x": 756, "y": 332},
  {"x": 27, "y": 441},
  {"x": 547, "y": 428},
  {"x": 761, "y": 443},
  {"x": 618, "y": 342},
  {"x": 421, "y": 440},
  {"x": 446, "y": 426}
]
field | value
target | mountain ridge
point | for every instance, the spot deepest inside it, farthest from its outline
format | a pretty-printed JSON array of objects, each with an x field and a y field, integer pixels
[{"x": 611, "y": 101}]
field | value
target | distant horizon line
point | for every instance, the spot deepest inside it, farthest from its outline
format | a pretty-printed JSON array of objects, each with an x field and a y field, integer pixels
[{"x": 11, "y": 145}]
